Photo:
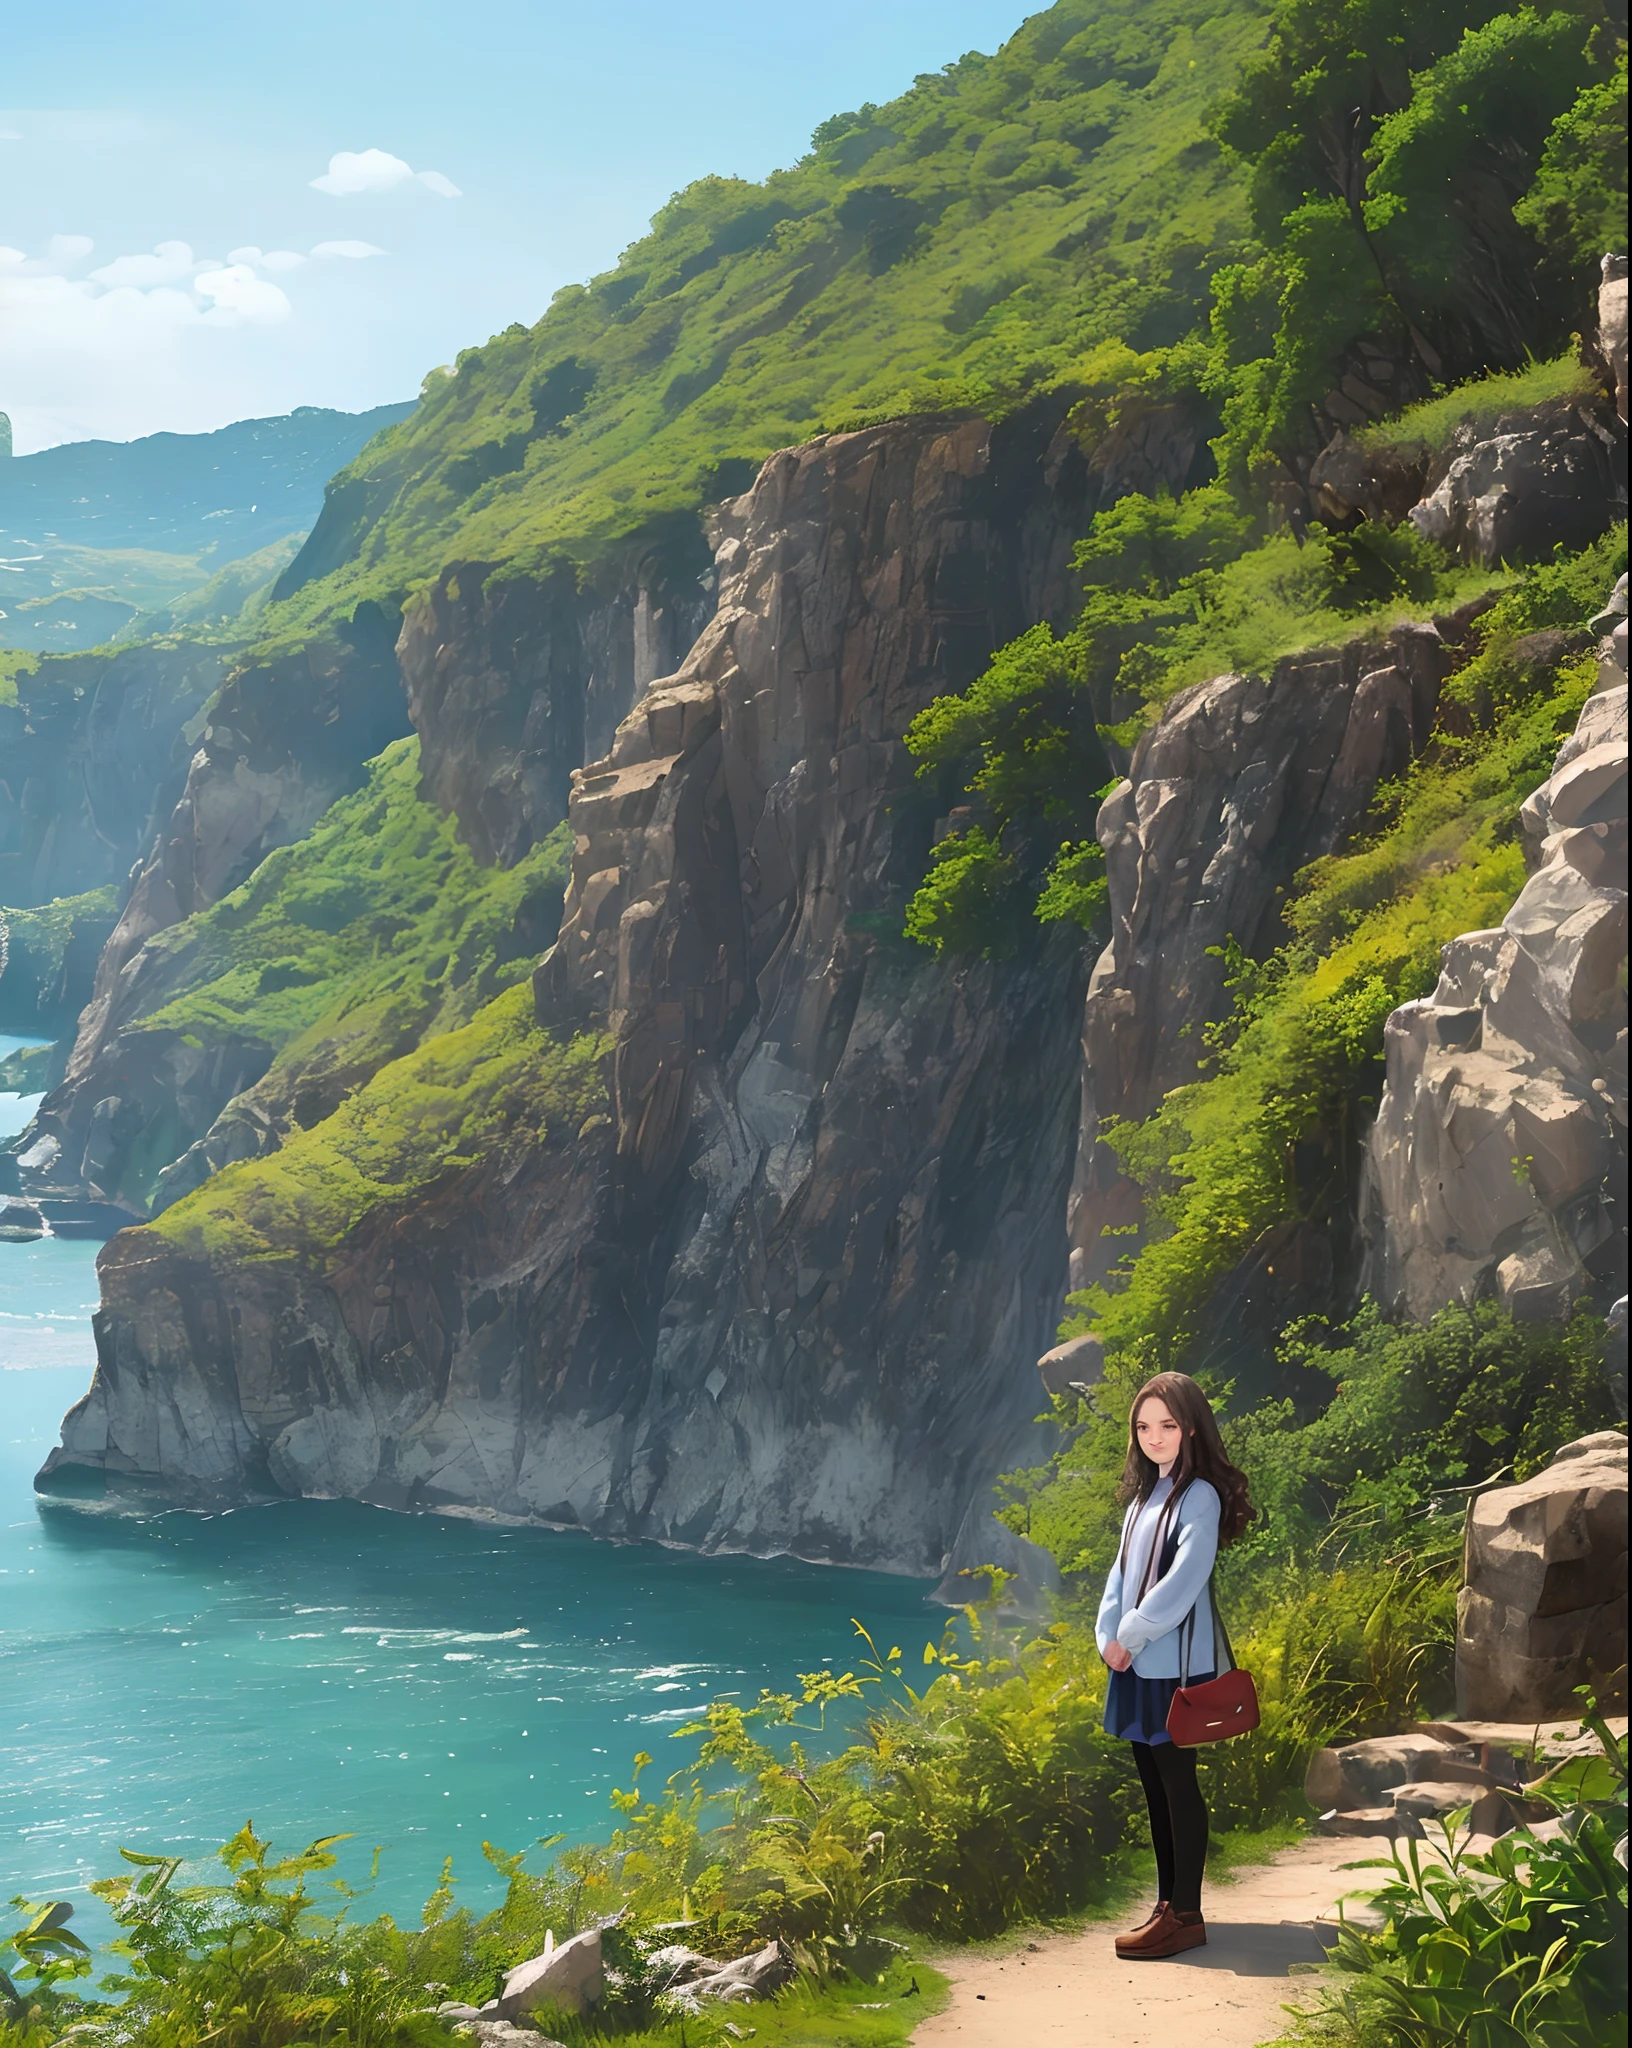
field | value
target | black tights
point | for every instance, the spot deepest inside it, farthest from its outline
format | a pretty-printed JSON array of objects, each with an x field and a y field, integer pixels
[{"x": 1178, "y": 1821}]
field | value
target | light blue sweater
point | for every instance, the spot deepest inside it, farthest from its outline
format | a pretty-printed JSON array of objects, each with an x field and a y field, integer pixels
[{"x": 1151, "y": 1629}]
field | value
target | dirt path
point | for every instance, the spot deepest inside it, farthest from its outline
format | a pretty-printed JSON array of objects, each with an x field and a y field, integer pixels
[{"x": 1067, "y": 1991}]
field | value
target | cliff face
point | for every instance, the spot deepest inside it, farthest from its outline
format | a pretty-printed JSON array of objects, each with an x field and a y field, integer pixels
[
  {"x": 1498, "y": 1159},
  {"x": 510, "y": 687},
  {"x": 514, "y": 682},
  {"x": 786, "y": 1292},
  {"x": 284, "y": 739},
  {"x": 93, "y": 759},
  {"x": 1242, "y": 782}
]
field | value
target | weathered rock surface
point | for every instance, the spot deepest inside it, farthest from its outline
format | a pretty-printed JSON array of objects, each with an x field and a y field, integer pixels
[
  {"x": 1612, "y": 325},
  {"x": 513, "y": 684},
  {"x": 1070, "y": 1367},
  {"x": 92, "y": 757},
  {"x": 1348, "y": 482},
  {"x": 569, "y": 1978},
  {"x": 46, "y": 974},
  {"x": 1242, "y": 782},
  {"x": 696, "y": 1981},
  {"x": 283, "y": 741},
  {"x": 497, "y": 2033},
  {"x": 1389, "y": 1785},
  {"x": 1544, "y": 479},
  {"x": 788, "y": 1293},
  {"x": 1543, "y": 1606},
  {"x": 1498, "y": 1158},
  {"x": 20, "y": 1222},
  {"x": 1361, "y": 1774}
]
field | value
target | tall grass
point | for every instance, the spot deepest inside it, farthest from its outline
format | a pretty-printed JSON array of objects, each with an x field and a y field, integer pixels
[{"x": 1428, "y": 427}]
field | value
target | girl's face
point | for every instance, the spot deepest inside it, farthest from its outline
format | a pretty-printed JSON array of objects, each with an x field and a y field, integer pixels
[{"x": 1159, "y": 1435}]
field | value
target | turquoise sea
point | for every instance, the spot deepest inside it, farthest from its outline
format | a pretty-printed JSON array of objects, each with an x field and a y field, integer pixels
[{"x": 425, "y": 1683}]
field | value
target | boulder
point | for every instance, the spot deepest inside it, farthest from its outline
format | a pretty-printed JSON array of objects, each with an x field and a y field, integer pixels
[
  {"x": 1369, "y": 1820},
  {"x": 1360, "y": 1774},
  {"x": 566, "y": 1979},
  {"x": 1543, "y": 1609},
  {"x": 739, "y": 1982},
  {"x": 1348, "y": 482},
  {"x": 20, "y": 1222},
  {"x": 1073, "y": 1365},
  {"x": 1540, "y": 480},
  {"x": 1499, "y": 1145},
  {"x": 1527, "y": 1743},
  {"x": 1432, "y": 1799},
  {"x": 501, "y": 2034},
  {"x": 677, "y": 1964}
]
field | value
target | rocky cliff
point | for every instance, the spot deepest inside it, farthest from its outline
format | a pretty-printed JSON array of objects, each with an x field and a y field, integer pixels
[
  {"x": 93, "y": 758},
  {"x": 283, "y": 738},
  {"x": 1241, "y": 784},
  {"x": 1498, "y": 1158},
  {"x": 784, "y": 1291},
  {"x": 511, "y": 684}
]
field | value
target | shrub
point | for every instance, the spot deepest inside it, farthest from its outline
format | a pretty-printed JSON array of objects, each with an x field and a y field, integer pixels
[
  {"x": 970, "y": 902},
  {"x": 1522, "y": 1947}
]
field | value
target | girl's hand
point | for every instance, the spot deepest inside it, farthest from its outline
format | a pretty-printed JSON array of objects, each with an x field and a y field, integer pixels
[{"x": 1118, "y": 1658}]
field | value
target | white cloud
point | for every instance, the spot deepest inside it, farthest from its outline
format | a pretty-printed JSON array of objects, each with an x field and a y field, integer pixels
[
  {"x": 144, "y": 336},
  {"x": 352, "y": 249},
  {"x": 376, "y": 170},
  {"x": 238, "y": 294},
  {"x": 271, "y": 259},
  {"x": 169, "y": 262},
  {"x": 68, "y": 248}
]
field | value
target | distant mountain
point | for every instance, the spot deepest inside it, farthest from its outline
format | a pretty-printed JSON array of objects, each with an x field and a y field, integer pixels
[{"x": 94, "y": 533}]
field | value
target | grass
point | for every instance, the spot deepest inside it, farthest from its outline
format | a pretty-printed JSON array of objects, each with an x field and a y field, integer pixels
[
  {"x": 962, "y": 245},
  {"x": 496, "y": 1085},
  {"x": 874, "y": 2012},
  {"x": 1284, "y": 598},
  {"x": 1429, "y": 426},
  {"x": 377, "y": 929},
  {"x": 347, "y": 949},
  {"x": 14, "y": 665}
]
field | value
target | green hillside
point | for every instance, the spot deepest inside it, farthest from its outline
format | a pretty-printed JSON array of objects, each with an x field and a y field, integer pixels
[
  {"x": 959, "y": 246},
  {"x": 1153, "y": 197},
  {"x": 105, "y": 539}
]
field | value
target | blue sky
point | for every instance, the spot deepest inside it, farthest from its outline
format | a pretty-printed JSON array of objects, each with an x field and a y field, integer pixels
[{"x": 166, "y": 261}]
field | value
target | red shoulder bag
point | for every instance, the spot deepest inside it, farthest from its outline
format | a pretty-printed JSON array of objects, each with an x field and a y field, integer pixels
[{"x": 1219, "y": 1707}]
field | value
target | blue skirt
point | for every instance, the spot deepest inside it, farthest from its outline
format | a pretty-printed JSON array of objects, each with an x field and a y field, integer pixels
[{"x": 1136, "y": 1708}]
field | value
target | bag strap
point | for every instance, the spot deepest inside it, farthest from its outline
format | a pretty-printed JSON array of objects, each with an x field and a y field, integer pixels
[
  {"x": 1187, "y": 1634},
  {"x": 1220, "y": 1632}
]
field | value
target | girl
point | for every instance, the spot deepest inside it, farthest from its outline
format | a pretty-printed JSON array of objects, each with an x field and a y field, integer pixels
[{"x": 1185, "y": 1500}]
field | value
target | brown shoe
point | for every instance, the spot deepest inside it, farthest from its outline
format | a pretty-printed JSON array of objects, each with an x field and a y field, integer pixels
[
  {"x": 1166, "y": 1933},
  {"x": 1150, "y": 1919}
]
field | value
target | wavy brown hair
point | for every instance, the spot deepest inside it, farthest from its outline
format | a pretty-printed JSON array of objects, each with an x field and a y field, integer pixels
[{"x": 1201, "y": 1456}]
